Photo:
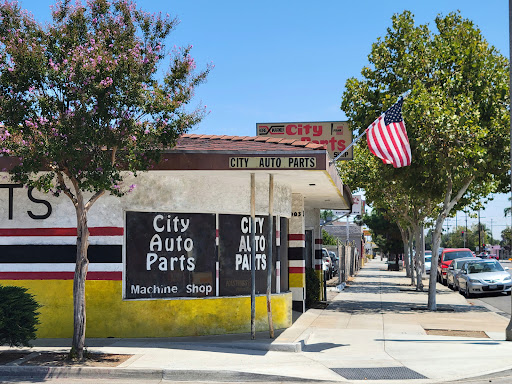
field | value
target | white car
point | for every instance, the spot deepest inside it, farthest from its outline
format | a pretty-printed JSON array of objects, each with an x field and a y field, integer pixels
[{"x": 428, "y": 261}]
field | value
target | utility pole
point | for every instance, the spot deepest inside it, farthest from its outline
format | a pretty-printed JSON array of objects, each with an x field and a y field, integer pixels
[
  {"x": 466, "y": 231},
  {"x": 508, "y": 331},
  {"x": 479, "y": 230}
]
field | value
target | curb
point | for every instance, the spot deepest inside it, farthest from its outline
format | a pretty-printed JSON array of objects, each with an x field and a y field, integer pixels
[
  {"x": 86, "y": 372},
  {"x": 46, "y": 373}
]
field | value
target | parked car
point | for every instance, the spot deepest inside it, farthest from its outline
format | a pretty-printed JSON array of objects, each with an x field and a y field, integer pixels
[
  {"x": 487, "y": 255},
  {"x": 483, "y": 276},
  {"x": 428, "y": 261},
  {"x": 335, "y": 262},
  {"x": 454, "y": 269},
  {"x": 327, "y": 264},
  {"x": 446, "y": 257}
]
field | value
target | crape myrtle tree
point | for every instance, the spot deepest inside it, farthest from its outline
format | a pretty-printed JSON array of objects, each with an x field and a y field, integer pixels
[
  {"x": 456, "y": 117},
  {"x": 82, "y": 99}
]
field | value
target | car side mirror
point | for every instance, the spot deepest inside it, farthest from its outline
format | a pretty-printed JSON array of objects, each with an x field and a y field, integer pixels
[{"x": 507, "y": 268}]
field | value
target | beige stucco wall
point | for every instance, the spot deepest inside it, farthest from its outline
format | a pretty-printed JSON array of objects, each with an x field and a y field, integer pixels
[{"x": 191, "y": 192}]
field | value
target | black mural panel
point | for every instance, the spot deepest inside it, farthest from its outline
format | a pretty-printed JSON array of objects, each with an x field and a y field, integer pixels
[
  {"x": 169, "y": 255},
  {"x": 235, "y": 255}
]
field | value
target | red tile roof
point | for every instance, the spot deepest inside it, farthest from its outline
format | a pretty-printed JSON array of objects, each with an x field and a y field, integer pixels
[{"x": 193, "y": 142}]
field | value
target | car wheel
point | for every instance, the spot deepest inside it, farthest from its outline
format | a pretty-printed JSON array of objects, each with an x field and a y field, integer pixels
[
  {"x": 508, "y": 293},
  {"x": 445, "y": 282},
  {"x": 450, "y": 285}
]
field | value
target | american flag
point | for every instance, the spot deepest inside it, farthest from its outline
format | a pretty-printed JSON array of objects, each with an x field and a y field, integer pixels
[{"x": 387, "y": 137}]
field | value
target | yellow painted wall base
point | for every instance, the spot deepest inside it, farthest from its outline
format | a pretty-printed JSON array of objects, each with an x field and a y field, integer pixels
[
  {"x": 109, "y": 316},
  {"x": 320, "y": 274}
]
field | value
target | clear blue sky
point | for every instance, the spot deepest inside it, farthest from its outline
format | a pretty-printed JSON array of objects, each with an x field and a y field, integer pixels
[{"x": 289, "y": 60}]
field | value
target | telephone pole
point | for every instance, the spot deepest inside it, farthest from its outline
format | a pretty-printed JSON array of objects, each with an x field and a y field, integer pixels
[
  {"x": 508, "y": 331},
  {"x": 479, "y": 231}
]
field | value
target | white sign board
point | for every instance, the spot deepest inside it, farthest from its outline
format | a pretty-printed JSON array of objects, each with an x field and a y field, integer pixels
[{"x": 357, "y": 204}]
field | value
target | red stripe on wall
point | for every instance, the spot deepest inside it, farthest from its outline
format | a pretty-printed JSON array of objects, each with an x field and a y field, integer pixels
[
  {"x": 296, "y": 236},
  {"x": 94, "y": 231},
  {"x": 319, "y": 241},
  {"x": 296, "y": 269},
  {"x": 59, "y": 275}
]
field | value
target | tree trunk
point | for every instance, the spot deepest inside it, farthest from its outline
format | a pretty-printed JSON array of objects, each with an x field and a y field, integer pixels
[
  {"x": 419, "y": 258},
  {"x": 411, "y": 255},
  {"x": 82, "y": 265},
  {"x": 448, "y": 205},
  {"x": 405, "y": 241},
  {"x": 432, "y": 282}
]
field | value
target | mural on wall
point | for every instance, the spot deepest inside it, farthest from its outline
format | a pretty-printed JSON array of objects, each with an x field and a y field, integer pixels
[
  {"x": 235, "y": 254},
  {"x": 169, "y": 255}
]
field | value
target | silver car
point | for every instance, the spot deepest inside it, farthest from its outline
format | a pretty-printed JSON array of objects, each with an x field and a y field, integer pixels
[
  {"x": 454, "y": 269},
  {"x": 483, "y": 276}
]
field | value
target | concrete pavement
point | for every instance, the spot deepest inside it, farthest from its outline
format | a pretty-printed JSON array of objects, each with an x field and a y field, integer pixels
[{"x": 376, "y": 328}]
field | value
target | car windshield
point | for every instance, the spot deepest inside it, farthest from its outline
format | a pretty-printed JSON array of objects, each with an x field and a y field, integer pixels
[
  {"x": 428, "y": 259},
  {"x": 459, "y": 263},
  {"x": 484, "y": 267},
  {"x": 457, "y": 255}
]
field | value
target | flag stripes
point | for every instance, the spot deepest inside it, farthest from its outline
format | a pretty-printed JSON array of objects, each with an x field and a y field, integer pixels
[{"x": 387, "y": 137}]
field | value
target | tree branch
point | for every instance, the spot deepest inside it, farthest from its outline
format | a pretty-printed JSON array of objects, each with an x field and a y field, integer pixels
[
  {"x": 65, "y": 189},
  {"x": 93, "y": 199}
]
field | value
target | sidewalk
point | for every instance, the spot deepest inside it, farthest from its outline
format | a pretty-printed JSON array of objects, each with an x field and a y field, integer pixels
[{"x": 377, "y": 328}]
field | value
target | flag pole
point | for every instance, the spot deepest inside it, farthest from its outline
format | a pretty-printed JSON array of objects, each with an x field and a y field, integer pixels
[{"x": 402, "y": 96}]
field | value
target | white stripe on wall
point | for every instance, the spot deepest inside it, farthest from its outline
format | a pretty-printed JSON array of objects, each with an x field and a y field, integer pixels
[
  {"x": 59, "y": 240},
  {"x": 296, "y": 263},
  {"x": 297, "y": 294},
  {"x": 296, "y": 244},
  {"x": 59, "y": 267}
]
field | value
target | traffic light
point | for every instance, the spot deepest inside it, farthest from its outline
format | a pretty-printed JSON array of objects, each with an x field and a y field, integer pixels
[{"x": 462, "y": 233}]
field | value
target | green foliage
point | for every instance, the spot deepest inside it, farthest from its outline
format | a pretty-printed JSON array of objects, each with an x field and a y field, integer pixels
[
  {"x": 326, "y": 214},
  {"x": 18, "y": 316},
  {"x": 506, "y": 238},
  {"x": 454, "y": 239},
  {"x": 328, "y": 239},
  {"x": 312, "y": 288}
]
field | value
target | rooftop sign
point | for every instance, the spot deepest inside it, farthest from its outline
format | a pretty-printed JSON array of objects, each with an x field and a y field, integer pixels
[{"x": 336, "y": 135}]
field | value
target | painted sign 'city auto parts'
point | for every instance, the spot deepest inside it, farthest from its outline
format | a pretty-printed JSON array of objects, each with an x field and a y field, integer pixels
[{"x": 335, "y": 135}]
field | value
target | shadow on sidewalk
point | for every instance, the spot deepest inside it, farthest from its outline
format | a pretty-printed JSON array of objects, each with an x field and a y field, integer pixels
[
  {"x": 436, "y": 341},
  {"x": 375, "y": 307}
]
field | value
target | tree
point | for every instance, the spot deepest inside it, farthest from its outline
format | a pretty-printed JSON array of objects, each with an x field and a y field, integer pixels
[
  {"x": 81, "y": 100},
  {"x": 328, "y": 239},
  {"x": 457, "y": 117},
  {"x": 384, "y": 233},
  {"x": 506, "y": 236}
]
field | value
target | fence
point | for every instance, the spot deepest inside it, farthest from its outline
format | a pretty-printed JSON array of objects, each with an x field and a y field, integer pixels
[{"x": 349, "y": 260}]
